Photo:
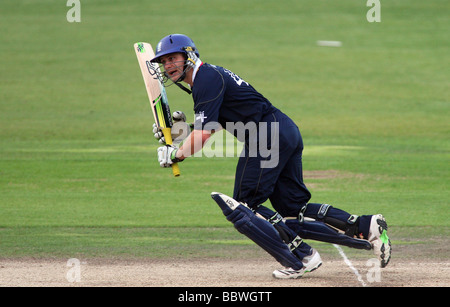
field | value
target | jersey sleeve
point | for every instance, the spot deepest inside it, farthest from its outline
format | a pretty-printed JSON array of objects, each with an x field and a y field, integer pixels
[{"x": 208, "y": 93}]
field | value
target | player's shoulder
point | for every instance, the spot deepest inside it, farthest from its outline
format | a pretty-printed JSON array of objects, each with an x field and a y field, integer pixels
[
  {"x": 209, "y": 70},
  {"x": 209, "y": 84},
  {"x": 209, "y": 76},
  {"x": 210, "y": 73},
  {"x": 211, "y": 67},
  {"x": 216, "y": 70}
]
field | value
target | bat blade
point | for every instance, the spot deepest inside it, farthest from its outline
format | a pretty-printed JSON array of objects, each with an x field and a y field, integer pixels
[{"x": 156, "y": 93}]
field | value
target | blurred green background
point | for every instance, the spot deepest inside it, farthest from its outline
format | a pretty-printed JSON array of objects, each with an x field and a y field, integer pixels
[{"x": 78, "y": 168}]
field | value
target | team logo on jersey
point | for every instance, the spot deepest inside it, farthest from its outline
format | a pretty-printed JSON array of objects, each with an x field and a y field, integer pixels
[{"x": 200, "y": 116}]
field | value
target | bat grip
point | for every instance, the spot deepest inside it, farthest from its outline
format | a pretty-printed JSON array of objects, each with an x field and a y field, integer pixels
[{"x": 168, "y": 137}]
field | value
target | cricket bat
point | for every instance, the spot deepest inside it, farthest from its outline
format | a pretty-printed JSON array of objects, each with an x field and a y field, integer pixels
[{"x": 156, "y": 93}]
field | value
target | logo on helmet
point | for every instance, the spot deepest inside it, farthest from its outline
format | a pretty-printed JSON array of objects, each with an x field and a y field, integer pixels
[{"x": 158, "y": 47}]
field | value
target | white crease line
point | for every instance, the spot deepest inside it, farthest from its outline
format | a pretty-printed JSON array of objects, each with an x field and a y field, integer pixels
[{"x": 350, "y": 265}]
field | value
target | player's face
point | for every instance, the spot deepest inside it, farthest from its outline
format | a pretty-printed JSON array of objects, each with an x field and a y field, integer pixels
[{"x": 173, "y": 65}]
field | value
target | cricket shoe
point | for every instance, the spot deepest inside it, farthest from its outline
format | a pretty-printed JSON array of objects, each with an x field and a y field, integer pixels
[
  {"x": 310, "y": 263},
  {"x": 379, "y": 239}
]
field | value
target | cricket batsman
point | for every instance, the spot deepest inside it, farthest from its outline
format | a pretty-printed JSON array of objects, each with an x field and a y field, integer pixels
[{"x": 269, "y": 168}]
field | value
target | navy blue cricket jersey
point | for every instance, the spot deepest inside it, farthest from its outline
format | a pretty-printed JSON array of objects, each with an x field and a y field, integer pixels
[{"x": 220, "y": 96}]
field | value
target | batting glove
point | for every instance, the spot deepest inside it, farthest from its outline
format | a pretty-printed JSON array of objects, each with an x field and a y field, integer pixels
[
  {"x": 178, "y": 116},
  {"x": 167, "y": 155},
  {"x": 157, "y": 133},
  {"x": 179, "y": 120}
]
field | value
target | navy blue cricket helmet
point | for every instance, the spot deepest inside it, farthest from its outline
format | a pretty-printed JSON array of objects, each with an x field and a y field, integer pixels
[
  {"x": 177, "y": 43},
  {"x": 174, "y": 43}
]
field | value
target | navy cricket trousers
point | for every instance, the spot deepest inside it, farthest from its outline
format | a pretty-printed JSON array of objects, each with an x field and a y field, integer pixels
[{"x": 281, "y": 182}]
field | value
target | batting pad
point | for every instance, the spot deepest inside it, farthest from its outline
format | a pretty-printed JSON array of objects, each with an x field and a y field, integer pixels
[
  {"x": 319, "y": 231},
  {"x": 257, "y": 229}
]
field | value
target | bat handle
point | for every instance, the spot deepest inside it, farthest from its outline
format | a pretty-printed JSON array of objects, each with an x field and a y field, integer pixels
[{"x": 168, "y": 137}]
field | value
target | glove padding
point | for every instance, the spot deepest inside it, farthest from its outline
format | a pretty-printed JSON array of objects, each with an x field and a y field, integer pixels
[
  {"x": 180, "y": 129},
  {"x": 167, "y": 155}
]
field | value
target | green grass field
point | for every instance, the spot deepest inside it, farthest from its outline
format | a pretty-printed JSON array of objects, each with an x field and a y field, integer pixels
[{"x": 78, "y": 169}]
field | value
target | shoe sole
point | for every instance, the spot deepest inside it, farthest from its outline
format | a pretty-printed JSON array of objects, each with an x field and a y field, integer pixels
[
  {"x": 287, "y": 276},
  {"x": 296, "y": 277},
  {"x": 385, "y": 252},
  {"x": 314, "y": 268}
]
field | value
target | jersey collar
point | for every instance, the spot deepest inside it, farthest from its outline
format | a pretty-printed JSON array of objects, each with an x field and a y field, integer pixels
[{"x": 196, "y": 67}]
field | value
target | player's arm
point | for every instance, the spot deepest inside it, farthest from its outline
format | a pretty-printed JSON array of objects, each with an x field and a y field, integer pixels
[
  {"x": 193, "y": 143},
  {"x": 169, "y": 154}
]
